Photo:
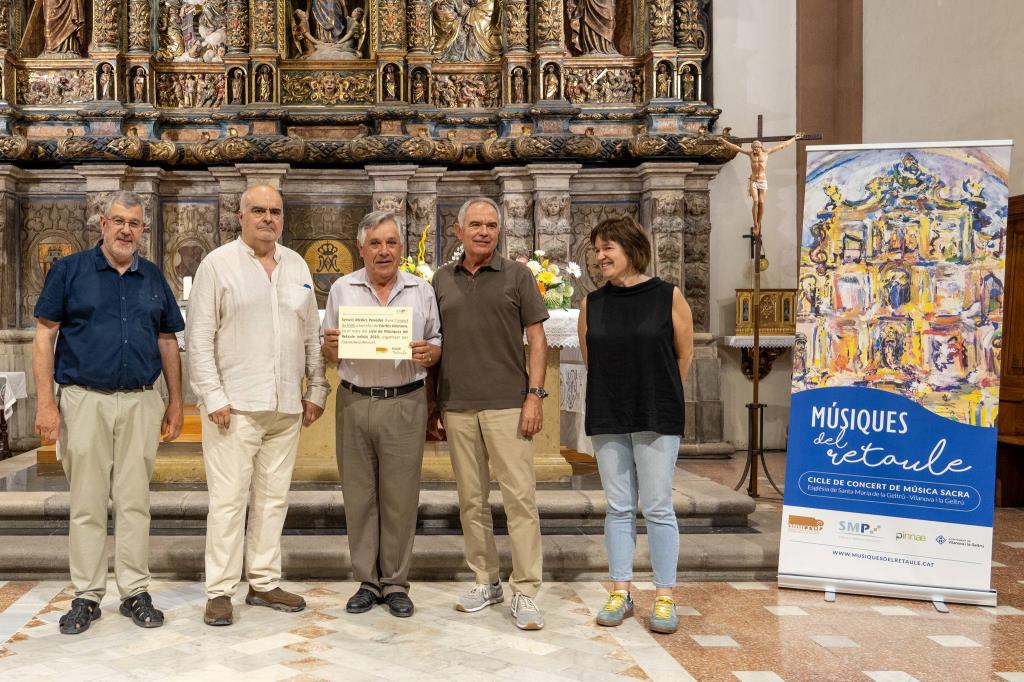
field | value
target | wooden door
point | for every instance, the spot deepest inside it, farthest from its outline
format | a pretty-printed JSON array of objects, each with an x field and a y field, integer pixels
[{"x": 1010, "y": 463}]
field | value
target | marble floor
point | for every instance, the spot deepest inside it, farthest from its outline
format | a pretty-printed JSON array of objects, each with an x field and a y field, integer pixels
[{"x": 751, "y": 632}]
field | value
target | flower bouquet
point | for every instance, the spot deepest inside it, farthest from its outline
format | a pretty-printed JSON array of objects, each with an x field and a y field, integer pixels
[
  {"x": 552, "y": 281},
  {"x": 419, "y": 266}
]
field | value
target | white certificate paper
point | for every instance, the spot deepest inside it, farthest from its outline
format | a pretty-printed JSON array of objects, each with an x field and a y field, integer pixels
[{"x": 374, "y": 333}]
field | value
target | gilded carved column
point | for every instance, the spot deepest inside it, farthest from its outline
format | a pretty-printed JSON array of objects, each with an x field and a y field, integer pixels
[
  {"x": 419, "y": 26},
  {"x": 106, "y": 18},
  {"x": 517, "y": 26},
  {"x": 5, "y": 25},
  {"x": 391, "y": 16},
  {"x": 691, "y": 31},
  {"x": 264, "y": 24},
  {"x": 549, "y": 29},
  {"x": 660, "y": 18},
  {"x": 139, "y": 21},
  {"x": 238, "y": 26}
]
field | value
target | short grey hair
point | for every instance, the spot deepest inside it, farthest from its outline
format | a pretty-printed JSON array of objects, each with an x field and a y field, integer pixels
[
  {"x": 478, "y": 200},
  {"x": 244, "y": 200},
  {"x": 374, "y": 219},
  {"x": 123, "y": 197}
]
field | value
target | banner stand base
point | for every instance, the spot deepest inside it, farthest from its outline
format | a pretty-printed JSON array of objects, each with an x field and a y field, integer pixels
[{"x": 936, "y": 595}]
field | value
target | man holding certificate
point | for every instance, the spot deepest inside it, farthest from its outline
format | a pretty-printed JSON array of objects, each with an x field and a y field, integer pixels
[
  {"x": 382, "y": 328},
  {"x": 492, "y": 405}
]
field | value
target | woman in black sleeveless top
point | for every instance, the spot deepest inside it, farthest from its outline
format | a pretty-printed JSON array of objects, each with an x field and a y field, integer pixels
[{"x": 636, "y": 333}]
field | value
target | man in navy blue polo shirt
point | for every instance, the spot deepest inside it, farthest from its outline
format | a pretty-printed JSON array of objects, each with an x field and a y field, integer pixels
[{"x": 113, "y": 319}]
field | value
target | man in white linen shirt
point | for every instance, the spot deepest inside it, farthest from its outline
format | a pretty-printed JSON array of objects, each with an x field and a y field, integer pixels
[
  {"x": 252, "y": 334},
  {"x": 382, "y": 419}
]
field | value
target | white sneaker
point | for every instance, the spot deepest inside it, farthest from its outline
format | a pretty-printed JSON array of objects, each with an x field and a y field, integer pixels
[
  {"x": 480, "y": 597},
  {"x": 525, "y": 612}
]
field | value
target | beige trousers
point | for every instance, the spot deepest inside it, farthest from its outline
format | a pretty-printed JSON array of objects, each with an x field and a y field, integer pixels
[
  {"x": 108, "y": 446},
  {"x": 256, "y": 452},
  {"x": 476, "y": 438},
  {"x": 380, "y": 454}
]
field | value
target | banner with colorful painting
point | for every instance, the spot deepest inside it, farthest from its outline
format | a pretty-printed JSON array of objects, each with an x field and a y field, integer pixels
[{"x": 890, "y": 472}]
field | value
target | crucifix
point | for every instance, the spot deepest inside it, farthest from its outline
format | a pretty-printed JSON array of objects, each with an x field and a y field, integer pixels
[{"x": 758, "y": 188}]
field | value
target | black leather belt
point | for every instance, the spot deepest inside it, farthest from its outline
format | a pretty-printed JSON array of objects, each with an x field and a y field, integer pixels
[
  {"x": 385, "y": 391},
  {"x": 111, "y": 391}
]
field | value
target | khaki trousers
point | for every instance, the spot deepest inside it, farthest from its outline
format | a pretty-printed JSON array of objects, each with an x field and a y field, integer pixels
[
  {"x": 380, "y": 454},
  {"x": 108, "y": 446},
  {"x": 256, "y": 452},
  {"x": 476, "y": 438}
]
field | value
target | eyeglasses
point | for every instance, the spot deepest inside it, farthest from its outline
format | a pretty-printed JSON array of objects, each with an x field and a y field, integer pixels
[{"x": 121, "y": 222}]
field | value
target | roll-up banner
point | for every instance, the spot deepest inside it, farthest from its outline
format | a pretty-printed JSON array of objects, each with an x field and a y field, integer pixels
[{"x": 890, "y": 472}]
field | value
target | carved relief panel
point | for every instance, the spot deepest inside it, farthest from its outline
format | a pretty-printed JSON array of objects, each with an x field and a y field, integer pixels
[
  {"x": 324, "y": 234},
  {"x": 51, "y": 229},
  {"x": 190, "y": 231},
  {"x": 586, "y": 216}
]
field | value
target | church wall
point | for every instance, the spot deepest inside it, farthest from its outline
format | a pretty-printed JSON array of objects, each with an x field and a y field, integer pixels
[
  {"x": 755, "y": 73},
  {"x": 937, "y": 70}
]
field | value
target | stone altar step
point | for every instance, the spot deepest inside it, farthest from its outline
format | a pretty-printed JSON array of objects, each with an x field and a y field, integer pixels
[
  {"x": 700, "y": 504},
  {"x": 727, "y": 556}
]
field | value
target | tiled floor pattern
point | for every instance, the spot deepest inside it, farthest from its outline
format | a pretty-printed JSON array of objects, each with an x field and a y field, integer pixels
[{"x": 729, "y": 631}]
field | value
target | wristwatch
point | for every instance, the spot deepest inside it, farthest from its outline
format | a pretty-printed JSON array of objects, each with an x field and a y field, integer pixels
[{"x": 539, "y": 392}]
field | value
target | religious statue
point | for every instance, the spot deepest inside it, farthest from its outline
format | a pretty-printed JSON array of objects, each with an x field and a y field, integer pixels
[
  {"x": 105, "y": 80},
  {"x": 419, "y": 88},
  {"x": 304, "y": 42},
  {"x": 758, "y": 182},
  {"x": 237, "y": 86},
  {"x": 55, "y": 29},
  {"x": 171, "y": 44},
  {"x": 592, "y": 26},
  {"x": 518, "y": 87},
  {"x": 550, "y": 82},
  {"x": 466, "y": 30},
  {"x": 139, "y": 85},
  {"x": 355, "y": 32},
  {"x": 263, "y": 84},
  {"x": 688, "y": 84},
  {"x": 390, "y": 86},
  {"x": 664, "y": 81},
  {"x": 191, "y": 31},
  {"x": 330, "y": 19}
]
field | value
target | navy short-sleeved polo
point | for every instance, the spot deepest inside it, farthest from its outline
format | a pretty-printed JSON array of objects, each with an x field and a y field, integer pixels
[{"x": 109, "y": 323}]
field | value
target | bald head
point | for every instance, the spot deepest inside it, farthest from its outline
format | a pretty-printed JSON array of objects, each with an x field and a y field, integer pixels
[{"x": 261, "y": 214}]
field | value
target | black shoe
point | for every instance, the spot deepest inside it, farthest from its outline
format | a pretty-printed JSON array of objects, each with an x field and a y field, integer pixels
[
  {"x": 399, "y": 604},
  {"x": 83, "y": 612},
  {"x": 141, "y": 610},
  {"x": 362, "y": 601}
]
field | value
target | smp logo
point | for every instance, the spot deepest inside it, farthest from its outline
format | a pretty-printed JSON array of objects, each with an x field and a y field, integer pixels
[
  {"x": 858, "y": 528},
  {"x": 941, "y": 539}
]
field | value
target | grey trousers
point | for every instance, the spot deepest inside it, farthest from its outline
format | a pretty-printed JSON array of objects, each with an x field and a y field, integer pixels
[{"x": 380, "y": 453}]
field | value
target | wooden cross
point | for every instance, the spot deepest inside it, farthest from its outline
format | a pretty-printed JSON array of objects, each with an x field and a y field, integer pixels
[{"x": 773, "y": 138}]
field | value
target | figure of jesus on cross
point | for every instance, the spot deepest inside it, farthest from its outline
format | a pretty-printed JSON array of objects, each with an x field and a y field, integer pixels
[{"x": 758, "y": 183}]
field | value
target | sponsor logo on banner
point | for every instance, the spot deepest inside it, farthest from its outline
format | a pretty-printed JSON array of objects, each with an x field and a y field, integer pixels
[
  {"x": 959, "y": 542},
  {"x": 805, "y": 524},
  {"x": 908, "y": 536},
  {"x": 860, "y": 529}
]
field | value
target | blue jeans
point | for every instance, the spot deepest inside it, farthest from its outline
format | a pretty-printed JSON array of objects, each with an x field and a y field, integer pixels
[{"x": 639, "y": 465}]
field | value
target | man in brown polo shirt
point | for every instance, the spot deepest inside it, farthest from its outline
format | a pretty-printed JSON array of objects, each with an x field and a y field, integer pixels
[{"x": 491, "y": 405}]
